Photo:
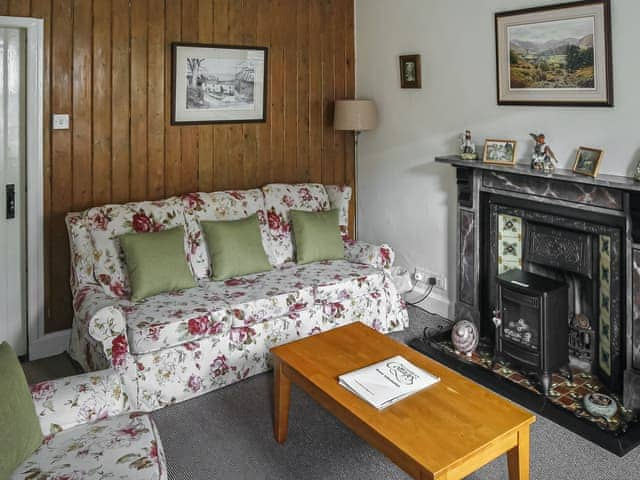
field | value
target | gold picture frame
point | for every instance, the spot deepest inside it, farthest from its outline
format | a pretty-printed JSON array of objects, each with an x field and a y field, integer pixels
[
  {"x": 588, "y": 161},
  {"x": 499, "y": 152}
]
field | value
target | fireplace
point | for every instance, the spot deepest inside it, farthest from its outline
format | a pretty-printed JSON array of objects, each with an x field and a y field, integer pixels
[
  {"x": 577, "y": 249},
  {"x": 580, "y": 232}
]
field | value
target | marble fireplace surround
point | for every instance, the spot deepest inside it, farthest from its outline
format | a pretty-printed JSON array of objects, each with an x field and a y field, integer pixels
[{"x": 605, "y": 207}]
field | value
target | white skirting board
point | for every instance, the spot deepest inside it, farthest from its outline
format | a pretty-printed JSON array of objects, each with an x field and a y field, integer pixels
[
  {"x": 49, "y": 345},
  {"x": 438, "y": 304}
]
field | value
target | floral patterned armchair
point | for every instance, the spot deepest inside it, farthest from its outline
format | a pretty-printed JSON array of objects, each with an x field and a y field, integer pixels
[
  {"x": 177, "y": 345},
  {"x": 91, "y": 433}
]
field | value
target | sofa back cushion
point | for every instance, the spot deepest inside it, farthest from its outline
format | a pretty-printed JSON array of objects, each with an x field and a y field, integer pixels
[
  {"x": 279, "y": 199},
  {"x": 218, "y": 206},
  {"x": 156, "y": 262},
  {"x": 108, "y": 222}
]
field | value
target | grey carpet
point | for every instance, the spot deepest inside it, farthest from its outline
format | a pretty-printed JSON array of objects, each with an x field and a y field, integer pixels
[
  {"x": 50, "y": 368},
  {"x": 227, "y": 434}
]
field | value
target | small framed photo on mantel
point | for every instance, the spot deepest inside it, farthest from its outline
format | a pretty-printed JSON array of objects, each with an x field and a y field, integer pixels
[
  {"x": 218, "y": 84},
  {"x": 499, "y": 152},
  {"x": 410, "y": 71},
  {"x": 588, "y": 161}
]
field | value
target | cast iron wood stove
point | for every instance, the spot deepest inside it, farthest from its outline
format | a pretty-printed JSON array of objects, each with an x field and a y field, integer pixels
[{"x": 533, "y": 331}]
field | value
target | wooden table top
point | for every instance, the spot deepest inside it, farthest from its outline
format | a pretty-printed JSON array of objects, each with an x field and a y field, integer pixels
[{"x": 438, "y": 428}]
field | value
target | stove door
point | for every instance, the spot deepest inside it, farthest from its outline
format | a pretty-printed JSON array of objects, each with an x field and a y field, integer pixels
[{"x": 520, "y": 319}]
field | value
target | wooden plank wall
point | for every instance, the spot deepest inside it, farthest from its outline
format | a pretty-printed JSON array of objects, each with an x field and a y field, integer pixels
[{"x": 108, "y": 64}]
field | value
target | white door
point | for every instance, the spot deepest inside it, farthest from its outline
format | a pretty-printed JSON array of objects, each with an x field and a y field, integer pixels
[{"x": 13, "y": 324}]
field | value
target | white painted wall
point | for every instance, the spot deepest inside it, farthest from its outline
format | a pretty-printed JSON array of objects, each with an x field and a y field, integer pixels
[{"x": 406, "y": 199}]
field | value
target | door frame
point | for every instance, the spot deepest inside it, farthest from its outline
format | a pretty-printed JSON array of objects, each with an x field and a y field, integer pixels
[{"x": 34, "y": 178}]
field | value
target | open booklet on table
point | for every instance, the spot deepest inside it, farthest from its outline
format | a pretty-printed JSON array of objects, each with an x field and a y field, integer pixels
[{"x": 384, "y": 383}]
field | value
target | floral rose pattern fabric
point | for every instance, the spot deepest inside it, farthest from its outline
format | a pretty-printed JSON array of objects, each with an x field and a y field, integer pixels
[
  {"x": 178, "y": 345},
  {"x": 71, "y": 401},
  {"x": 217, "y": 206},
  {"x": 122, "y": 447},
  {"x": 108, "y": 222},
  {"x": 173, "y": 318},
  {"x": 361, "y": 252},
  {"x": 81, "y": 250},
  {"x": 279, "y": 199}
]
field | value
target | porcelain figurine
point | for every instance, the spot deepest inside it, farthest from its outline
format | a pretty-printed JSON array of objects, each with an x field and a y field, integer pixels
[
  {"x": 464, "y": 337},
  {"x": 543, "y": 158},
  {"x": 467, "y": 147}
]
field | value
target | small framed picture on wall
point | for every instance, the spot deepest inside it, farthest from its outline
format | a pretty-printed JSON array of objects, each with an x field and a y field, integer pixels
[{"x": 410, "y": 71}]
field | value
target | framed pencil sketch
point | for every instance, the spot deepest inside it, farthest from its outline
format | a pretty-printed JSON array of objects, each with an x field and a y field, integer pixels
[
  {"x": 555, "y": 55},
  {"x": 218, "y": 84}
]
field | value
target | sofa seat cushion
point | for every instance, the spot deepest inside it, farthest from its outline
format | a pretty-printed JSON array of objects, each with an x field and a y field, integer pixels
[
  {"x": 122, "y": 447},
  {"x": 259, "y": 297},
  {"x": 174, "y": 318},
  {"x": 338, "y": 280},
  {"x": 293, "y": 288}
]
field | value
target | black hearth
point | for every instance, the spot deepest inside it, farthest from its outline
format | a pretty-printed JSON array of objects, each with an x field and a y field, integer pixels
[{"x": 531, "y": 328}]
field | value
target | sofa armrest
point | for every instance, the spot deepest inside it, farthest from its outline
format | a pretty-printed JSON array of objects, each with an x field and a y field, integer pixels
[
  {"x": 71, "y": 401},
  {"x": 105, "y": 321},
  {"x": 379, "y": 256}
]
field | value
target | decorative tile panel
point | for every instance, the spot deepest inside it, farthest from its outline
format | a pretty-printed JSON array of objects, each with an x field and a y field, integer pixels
[
  {"x": 604, "y": 353},
  {"x": 509, "y": 243}
]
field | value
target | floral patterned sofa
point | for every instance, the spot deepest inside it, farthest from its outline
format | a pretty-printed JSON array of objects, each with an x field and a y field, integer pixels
[
  {"x": 174, "y": 346},
  {"x": 91, "y": 433}
]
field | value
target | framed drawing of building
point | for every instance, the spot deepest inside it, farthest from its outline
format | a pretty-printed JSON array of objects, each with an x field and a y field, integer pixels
[{"x": 218, "y": 84}]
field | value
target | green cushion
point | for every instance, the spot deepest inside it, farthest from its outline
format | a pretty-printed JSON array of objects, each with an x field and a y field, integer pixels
[
  {"x": 20, "y": 433},
  {"x": 156, "y": 262},
  {"x": 235, "y": 247},
  {"x": 317, "y": 236}
]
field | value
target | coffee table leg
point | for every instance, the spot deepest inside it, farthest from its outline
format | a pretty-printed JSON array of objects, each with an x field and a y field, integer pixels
[
  {"x": 281, "y": 395},
  {"x": 518, "y": 457}
]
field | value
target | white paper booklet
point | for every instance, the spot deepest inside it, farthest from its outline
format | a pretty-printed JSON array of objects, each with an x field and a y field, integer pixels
[{"x": 384, "y": 383}]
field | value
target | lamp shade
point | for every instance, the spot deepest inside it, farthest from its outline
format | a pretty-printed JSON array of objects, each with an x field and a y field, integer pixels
[{"x": 355, "y": 115}]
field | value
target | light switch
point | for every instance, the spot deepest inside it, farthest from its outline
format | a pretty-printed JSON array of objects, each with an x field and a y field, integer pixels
[{"x": 60, "y": 121}]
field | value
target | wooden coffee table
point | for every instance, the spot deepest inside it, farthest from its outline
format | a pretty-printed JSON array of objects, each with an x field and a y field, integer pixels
[{"x": 447, "y": 431}]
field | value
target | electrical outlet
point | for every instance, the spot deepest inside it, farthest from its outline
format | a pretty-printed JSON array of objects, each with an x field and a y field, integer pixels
[{"x": 422, "y": 275}]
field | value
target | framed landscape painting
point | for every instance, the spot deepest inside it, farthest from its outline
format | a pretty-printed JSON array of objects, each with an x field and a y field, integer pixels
[
  {"x": 555, "y": 55},
  {"x": 218, "y": 84}
]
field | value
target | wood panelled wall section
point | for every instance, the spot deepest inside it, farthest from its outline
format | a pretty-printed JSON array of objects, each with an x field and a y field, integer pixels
[{"x": 108, "y": 64}]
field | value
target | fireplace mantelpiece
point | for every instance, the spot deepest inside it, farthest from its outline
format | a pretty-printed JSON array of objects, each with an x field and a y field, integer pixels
[{"x": 607, "y": 200}]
